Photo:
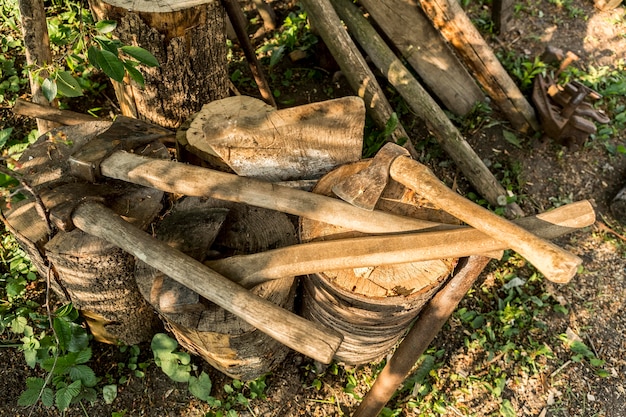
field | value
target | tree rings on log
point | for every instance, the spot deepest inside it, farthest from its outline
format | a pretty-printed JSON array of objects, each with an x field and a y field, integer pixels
[
  {"x": 95, "y": 276},
  {"x": 211, "y": 229},
  {"x": 372, "y": 307},
  {"x": 254, "y": 140}
]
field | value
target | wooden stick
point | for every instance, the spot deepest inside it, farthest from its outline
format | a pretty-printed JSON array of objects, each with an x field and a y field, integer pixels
[
  {"x": 308, "y": 338},
  {"x": 308, "y": 258},
  {"x": 448, "y": 136},
  {"x": 431, "y": 320},
  {"x": 40, "y": 111},
  {"x": 458, "y": 29},
  {"x": 237, "y": 18},
  {"x": 556, "y": 264},
  {"x": 174, "y": 177},
  {"x": 37, "y": 48},
  {"x": 353, "y": 65}
]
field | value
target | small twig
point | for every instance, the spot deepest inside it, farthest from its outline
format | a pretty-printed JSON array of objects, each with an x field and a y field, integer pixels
[
  {"x": 553, "y": 374},
  {"x": 604, "y": 228}
]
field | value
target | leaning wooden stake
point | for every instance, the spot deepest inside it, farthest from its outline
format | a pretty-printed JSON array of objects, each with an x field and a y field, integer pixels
[
  {"x": 457, "y": 28},
  {"x": 40, "y": 111},
  {"x": 431, "y": 320},
  {"x": 424, "y": 106},
  {"x": 353, "y": 65}
]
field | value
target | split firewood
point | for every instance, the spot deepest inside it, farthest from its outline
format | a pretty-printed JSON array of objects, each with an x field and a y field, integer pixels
[{"x": 40, "y": 111}]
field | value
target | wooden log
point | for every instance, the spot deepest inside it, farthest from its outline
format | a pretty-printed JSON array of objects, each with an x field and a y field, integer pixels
[
  {"x": 502, "y": 14},
  {"x": 450, "y": 19},
  {"x": 225, "y": 341},
  {"x": 255, "y": 140},
  {"x": 40, "y": 111},
  {"x": 37, "y": 51},
  {"x": 97, "y": 277},
  {"x": 427, "y": 52},
  {"x": 361, "y": 79},
  {"x": 448, "y": 136},
  {"x": 371, "y": 306},
  {"x": 188, "y": 39}
]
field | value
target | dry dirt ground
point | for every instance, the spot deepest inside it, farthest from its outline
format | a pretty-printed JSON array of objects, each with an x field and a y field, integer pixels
[{"x": 550, "y": 175}]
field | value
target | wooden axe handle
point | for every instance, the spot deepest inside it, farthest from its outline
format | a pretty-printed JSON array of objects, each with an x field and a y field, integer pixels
[
  {"x": 309, "y": 338},
  {"x": 308, "y": 258},
  {"x": 554, "y": 263}
]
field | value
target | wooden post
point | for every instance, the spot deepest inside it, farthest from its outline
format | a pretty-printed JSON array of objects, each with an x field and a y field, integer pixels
[
  {"x": 189, "y": 41},
  {"x": 502, "y": 14},
  {"x": 458, "y": 29},
  {"x": 37, "y": 48}
]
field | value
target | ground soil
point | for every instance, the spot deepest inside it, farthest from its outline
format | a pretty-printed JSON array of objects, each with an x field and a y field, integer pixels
[{"x": 549, "y": 175}]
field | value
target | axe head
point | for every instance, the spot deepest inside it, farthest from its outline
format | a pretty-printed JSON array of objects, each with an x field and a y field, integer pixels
[
  {"x": 125, "y": 133},
  {"x": 364, "y": 188}
]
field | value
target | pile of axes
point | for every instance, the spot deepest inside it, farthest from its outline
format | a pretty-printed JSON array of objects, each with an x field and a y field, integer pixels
[{"x": 392, "y": 238}]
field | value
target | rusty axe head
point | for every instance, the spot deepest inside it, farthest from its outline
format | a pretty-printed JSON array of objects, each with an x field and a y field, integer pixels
[{"x": 364, "y": 188}]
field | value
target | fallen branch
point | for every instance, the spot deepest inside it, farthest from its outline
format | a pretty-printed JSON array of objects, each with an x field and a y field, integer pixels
[{"x": 40, "y": 111}]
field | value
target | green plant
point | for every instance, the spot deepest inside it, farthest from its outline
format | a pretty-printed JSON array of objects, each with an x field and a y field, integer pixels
[
  {"x": 375, "y": 139},
  {"x": 64, "y": 355},
  {"x": 582, "y": 352},
  {"x": 294, "y": 34}
]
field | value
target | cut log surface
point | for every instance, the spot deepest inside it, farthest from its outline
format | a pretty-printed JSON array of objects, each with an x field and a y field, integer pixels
[
  {"x": 255, "y": 140},
  {"x": 225, "y": 341},
  {"x": 95, "y": 275},
  {"x": 427, "y": 52},
  {"x": 372, "y": 307}
]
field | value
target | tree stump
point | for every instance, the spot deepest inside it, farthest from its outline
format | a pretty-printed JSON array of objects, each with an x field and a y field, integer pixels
[
  {"x": 189, "y": 41},
  {"x": 225, "y": 341},
  {"x": 372, "y": 307},
  {"x": 91, "y": 273}
]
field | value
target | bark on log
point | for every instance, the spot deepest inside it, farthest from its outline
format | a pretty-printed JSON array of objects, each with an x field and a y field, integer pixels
[
  {"x": 361, "y": 79},
  {"x": 188, "y": 39},
  {"x": 427, "y": 52},
  {"x": 450, "y": 19},
  {"x": 425, "y": 107},
  {"x": 37, "y": 51}
]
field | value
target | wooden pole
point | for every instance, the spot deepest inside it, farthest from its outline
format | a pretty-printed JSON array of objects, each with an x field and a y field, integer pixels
[
  {"x": 424, "y": 106},
  {"x": 37, "y": 50},
  {"x": 353, "y": 65},
  {"x": 450, "y": 19},
  {"x": 40, "y": 111},
  {"x": 431, "y": 320}
]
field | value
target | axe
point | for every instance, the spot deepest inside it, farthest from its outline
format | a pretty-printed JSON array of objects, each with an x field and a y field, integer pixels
[{"x": 364, "y": 188}]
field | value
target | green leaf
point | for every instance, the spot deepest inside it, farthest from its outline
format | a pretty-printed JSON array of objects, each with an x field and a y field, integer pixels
[
  {"x": 111, "y": 45},
  {"x": 506, "y": 409},
  {"x": 177, "y": 372},
  {"x": 67, "y": 85},
  {"x": 201, "y": 386},
  {"x": 135, "y": 74},
  {"x": 68, "y": 312},
  {"x": 4, "y": 135},
  {"x": 49, "y": 89},
  {"x": 111, "y": 65},
  {"x": 109, "y": 392},
  {"x": 31, "y": 395},
  {"x": 65, "y": 395},
  {"x": 84, "y": 374},
  {"x": 512, "y": 138},
  {"x": 162, "y": 343},
  {"x": 106, "y": 26},
  {"x": 140, "y": 55},
  {"x": 93, "y": 54}
]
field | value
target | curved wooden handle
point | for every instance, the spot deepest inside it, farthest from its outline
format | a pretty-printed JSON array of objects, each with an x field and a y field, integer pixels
[
  {"x": 553, "y": 262},
  {"x": 309, "y": 338}
]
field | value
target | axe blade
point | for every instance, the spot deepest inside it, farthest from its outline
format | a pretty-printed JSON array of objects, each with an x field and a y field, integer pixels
[{"x": 364, "y": 188}]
